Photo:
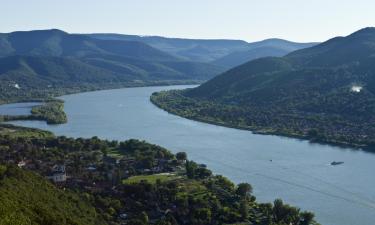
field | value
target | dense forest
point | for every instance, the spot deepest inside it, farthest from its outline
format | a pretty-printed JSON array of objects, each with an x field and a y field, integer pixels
[
  {"x": 111, "y": 182},
  {"x": 324, "y": 93}
]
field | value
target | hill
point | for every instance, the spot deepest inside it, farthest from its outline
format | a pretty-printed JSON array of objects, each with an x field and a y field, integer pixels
[
  {"x": 59, "y": 43},
  {"x": 27, "y": 198},
  {"x": 45, "y": 59},
  {"x": 324, "y": 93},
  {"x": 269, "y": 47},
  {"x": 126, "y": 182},
  {"x": 227, "y": 53},
  {"x": 190, "y": 49}
]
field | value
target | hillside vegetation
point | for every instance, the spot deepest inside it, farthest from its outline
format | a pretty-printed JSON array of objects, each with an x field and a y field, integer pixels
[
  {"x": 27, "y": 198},
  {"x": 51, "y": 111},
  {"x": 324, "y": 93},
  {"x": 128, "y": 182},
  {"x": 37, "y": 63}
]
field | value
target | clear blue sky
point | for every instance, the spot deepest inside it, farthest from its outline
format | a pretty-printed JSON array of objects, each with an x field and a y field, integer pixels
[{"x": 297, "y": 20}]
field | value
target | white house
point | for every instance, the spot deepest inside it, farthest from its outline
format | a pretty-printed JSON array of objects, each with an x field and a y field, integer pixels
[{"x": 21, "y": 164}]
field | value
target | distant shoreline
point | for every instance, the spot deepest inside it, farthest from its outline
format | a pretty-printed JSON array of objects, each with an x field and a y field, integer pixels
[
  {"x": 60, "y": 109},
  {"x": 260, "y": 131}
]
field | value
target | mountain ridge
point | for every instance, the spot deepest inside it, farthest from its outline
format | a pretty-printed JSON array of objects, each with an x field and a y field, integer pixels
[
  {"x": 215, "y": 48},
  {"x": 325, "y": 92},
  {"x": 54, "y": 58}
]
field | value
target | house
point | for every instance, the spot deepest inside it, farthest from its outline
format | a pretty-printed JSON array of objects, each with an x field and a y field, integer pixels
[
  {"x": 21, "y": 164},
  {"x": 123, "y": 215},
  {"x": 182, "y": 161},
  {"x": 58, "y": 168},
  {"x": 91, "y": 168},
  {"x": 157, "y": 169},
  {"x": 58, "y": 177},
  {"x": 147, "y": 170}
]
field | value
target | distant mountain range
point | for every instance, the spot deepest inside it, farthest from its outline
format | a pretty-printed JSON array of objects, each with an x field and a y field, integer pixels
[
  {"x": 188, "y": 49},
  {"x": 54, "y": 57},
  {"x": 332, "y": 67},
  {"x": 255, "y": 50},
  {"x": 227, "y": 53},
  {"x": 325, "y": 92}
]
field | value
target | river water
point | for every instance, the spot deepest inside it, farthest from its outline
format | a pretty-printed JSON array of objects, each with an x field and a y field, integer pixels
[{"x": 296, "y": 171}]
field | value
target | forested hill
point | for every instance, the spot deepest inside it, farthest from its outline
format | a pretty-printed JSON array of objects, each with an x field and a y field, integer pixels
[
  {"x": 325, "y": 92},
  {"x": 28, "y": 198},
  {"x": 335, "y": 65},
  {"x": 270, "y": 47},
  {"x": 59, "y": 43},
  {"x": 225, "y": 52},
  {"x": 53, "y": 58},
  {"x": 191, "y": 49},
  {"x": 95, "y": 181}
]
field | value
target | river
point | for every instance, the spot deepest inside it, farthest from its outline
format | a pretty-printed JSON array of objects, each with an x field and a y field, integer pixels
[{"x": 296, "y": 171}]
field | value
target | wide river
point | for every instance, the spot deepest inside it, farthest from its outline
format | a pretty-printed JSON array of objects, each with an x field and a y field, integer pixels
[{"x": 296, "y": 171}]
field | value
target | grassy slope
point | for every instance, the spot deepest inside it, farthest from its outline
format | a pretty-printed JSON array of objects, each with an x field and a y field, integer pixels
[
  {"x": 151, "y": 178},
  {"x": 27, "y": 198}
]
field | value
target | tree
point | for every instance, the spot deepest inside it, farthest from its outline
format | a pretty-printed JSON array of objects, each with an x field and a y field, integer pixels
[
  {"x": 278, "y": 210},
  {"x": 202, "y": 173},
  {"x": 144, "y": 217},
  {"x": 244, "y": 189},
  {"x": 136, "y": 222},
  {"x": 181, "y": 156},
  {"x": 202, "y": 215},
  {"x": 191, "y": 167},
  {"x": 244, "y": 209},
  {"x": 307, "y": 218}
]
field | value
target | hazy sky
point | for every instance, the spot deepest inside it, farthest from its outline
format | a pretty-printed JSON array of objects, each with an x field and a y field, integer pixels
[{"x": 297, "y": 20}]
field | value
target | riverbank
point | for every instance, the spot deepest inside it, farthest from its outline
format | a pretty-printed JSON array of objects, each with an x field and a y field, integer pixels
[
  {"x": 10, "y": 95},
  {"x": 52, "y": 111},
  {"x": 298, "y": 168},
  {"x": 175, "y": 103},
  {"x": 119, "y": 181}
]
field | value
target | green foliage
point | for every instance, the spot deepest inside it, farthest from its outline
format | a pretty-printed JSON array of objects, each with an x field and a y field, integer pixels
[
  {"x": 152, "y": 179},
  {"x": 192, "y": 196},
  {"x": 29, "y": 199},
  {"x": 51, "y": 111},
  {"x": 244, "y": 189},
  {"x": 8, "y": 130},
  {"x": 34, "y": 64},
  {"x": 306, "y": 94},
  {"x": 181, "y": 156},
  {"x": 193, "y": 170}
]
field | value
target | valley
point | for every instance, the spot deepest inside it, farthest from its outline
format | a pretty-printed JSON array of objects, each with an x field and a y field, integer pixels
[{"x": 276, "y": 167}]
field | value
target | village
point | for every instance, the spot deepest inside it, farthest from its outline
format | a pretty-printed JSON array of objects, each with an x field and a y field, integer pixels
[{"x": 96, "y": 172}]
